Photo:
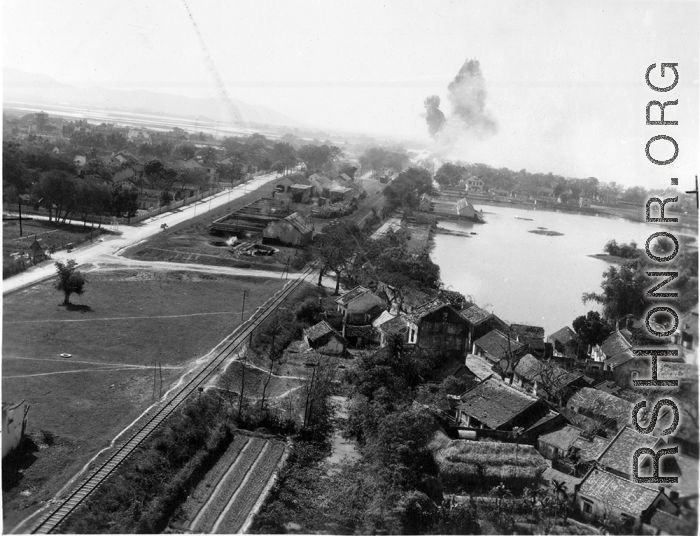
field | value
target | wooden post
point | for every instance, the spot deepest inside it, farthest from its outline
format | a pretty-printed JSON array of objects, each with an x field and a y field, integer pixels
[{"x": 160, "y": 368}]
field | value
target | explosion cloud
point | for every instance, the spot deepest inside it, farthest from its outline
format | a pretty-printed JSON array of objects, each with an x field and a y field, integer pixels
[{"x": 467, "y": 95}]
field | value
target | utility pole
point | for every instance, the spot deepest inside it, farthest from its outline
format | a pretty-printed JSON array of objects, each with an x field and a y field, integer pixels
[
  {"x": 245, "y": 362},
  {"x": 160, "y": 368},
  {"x": 153, "y": 397},
  {"x": 243, "y": 306},
  {"x": 19, "y": 206}
]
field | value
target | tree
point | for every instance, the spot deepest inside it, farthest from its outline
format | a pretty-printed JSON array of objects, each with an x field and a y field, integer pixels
[
  {"x": 591, "y": 329},
  {"x": 449, "y": 174},
  {"x": 335, "y": 249},
  {"x": 624, "y": 291},
  {"x": 319, "y": 157},
  {"x": 69, "y": 280},
  {"x": 185, "y": 151},
  {"x": 124, "y": 200},
  {"x": 406, "y": 189}
]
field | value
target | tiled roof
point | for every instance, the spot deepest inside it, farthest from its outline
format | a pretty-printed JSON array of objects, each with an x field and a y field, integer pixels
[
  {"x": 352, "y": 294},
  {"x": 384, "y": 317},
  {"x": 677, "y": 371},
  {"x": 549, "y": 375},
  {"x": 366, "y": 332},
  {"x": 687, "y": 473},
  {"x": 602, "y": 405},
  {"x": 620, "y": 453},
  {"x": 562, "y": 438},
  {"x": 317, "y": 331},
  {"x": 480, "y": 367},
  {"x": 618, "y": 493},
  {"x": 528, "y": 332},
  {"x": 395, "y": 326},
  {"x": 298, "y": 223},
  {"x": 494, "y": 403},
  {"x": 564, "y": 335},
  {"x": 617, "y": 349},
  {"x": 496, "y": 345},
  {"x": 475, "y": 314},
  {"x": 427, "y": 308},
  {"x": 671, "y": 524},
  {"x": 590, "y": 449}
]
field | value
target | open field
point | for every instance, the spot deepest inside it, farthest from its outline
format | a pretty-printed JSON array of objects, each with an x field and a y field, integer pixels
[
  {"x": 224, "y": 499},
  {"x": 125, "y": 322}
]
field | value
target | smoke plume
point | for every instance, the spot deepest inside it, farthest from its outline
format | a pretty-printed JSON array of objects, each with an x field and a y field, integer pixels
[
  {"x": 469, "y": 117},
  {"x": 433, "y": 115}
]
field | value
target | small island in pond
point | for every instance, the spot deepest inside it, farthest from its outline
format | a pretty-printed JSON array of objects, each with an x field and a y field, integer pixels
[{"x": 546, "y": 232}]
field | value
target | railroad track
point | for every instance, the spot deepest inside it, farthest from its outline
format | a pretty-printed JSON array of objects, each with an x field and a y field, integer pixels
[{"x": 51, "y": 521}]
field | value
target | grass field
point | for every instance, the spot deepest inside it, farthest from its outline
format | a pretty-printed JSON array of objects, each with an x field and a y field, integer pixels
[{"x": 125, "y": 321}]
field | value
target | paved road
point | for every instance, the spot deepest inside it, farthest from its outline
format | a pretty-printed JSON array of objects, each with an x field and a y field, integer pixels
[{"x": 131, "y": 234}]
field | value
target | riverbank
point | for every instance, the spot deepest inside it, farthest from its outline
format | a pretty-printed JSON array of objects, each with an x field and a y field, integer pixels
[{"x": 687, "y": 221}]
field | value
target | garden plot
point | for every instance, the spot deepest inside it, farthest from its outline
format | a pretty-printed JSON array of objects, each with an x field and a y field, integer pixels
[{"x": 227, "y": 495}]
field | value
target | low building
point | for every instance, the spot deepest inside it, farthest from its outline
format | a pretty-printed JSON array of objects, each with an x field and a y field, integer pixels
[
  {"x": 14, "y": 424},
  {"x": 480, "y": 322},
  {"x": 618, "y": 457},
  {"x": 546, "y": 379},
  {"x": 609, "y": 411},
  {"x": 564, "y": 342},
  {"x": 494, "y": 405},
  {"x": 532, "y": 337},
  {"x": 360, "y": 306},
  {"x": 571, "y": 441},
  {"x": 496, "y": 346},
  {"x": 438, "y": 327},
  {"x": 325, "y": 339},
  {"x": 609, "y": 499},
  {"x": 291, "y": 231}
]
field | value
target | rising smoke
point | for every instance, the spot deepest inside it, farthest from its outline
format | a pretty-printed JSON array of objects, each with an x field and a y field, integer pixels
[{"x": 469, "y": 117}]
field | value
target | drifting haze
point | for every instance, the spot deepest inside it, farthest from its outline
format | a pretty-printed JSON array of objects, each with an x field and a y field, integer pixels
[{"x": 565, "y": 80}]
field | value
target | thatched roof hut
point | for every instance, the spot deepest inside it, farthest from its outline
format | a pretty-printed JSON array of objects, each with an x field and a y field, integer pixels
[{"x": 467, "y": 464}]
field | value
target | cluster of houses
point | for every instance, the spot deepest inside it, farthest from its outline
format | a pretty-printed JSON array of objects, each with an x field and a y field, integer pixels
[{"x": 574, "y": 416}]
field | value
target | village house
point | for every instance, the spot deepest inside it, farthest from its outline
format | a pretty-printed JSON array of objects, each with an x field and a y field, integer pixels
[
  {"x": 546, "y": 379},
  {"x": 571, "y": 441},
  {"x": 438, "y": 327},
  {"x": 609, "y": 499},
  {"x": 564, "y": 342},
  {"x": 138, "y": 135},
  {"x": 479, "y": 367},
  {"x": 614, "y": 359},
  {"x": 480, "y": 322},
  {"x": 475, "y": 185},
  {"x": 392, "y": 327},
  {"x": 319, "y": 181},
  {"x": 609, "y": 411},
  {"x": 532, "y": 337},
  {"x": 496, "y": 346},
  {"x": 296, "y": 187},
  {"x": 360, "y": 306},
  {"x": 325, "y": 339},
  {"x": 291, "y": 231},
  {"x": 494, "y": 405},
  {"x": 205, "y": 165},
  {"x": 618, "y": 456},
  {"x": 401, "y": 299},
  {"x": 14, "y": 423}
]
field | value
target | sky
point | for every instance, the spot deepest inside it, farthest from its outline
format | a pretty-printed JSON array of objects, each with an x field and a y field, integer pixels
[{"x": 564, "y": 81}]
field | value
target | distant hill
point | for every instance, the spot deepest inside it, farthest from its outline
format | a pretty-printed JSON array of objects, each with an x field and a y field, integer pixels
[{"x": 39, "y": 89}]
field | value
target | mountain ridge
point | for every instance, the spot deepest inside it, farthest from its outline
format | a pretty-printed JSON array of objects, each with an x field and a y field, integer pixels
[{"x": 43, "y": 89}]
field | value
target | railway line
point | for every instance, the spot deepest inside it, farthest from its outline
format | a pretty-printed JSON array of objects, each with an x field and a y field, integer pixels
[{"x": 50, "y": 522}]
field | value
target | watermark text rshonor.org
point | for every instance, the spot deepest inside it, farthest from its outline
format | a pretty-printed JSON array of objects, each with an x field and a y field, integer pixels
[{"x": 656, "y": 116}]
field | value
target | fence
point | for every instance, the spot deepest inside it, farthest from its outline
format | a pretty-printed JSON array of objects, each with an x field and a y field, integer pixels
[{"x": 106, "y": 219}]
